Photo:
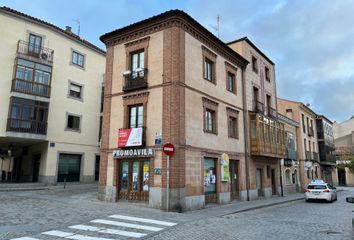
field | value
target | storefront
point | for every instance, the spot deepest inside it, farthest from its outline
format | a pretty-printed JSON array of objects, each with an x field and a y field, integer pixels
[{"x": 133, "y": 173}]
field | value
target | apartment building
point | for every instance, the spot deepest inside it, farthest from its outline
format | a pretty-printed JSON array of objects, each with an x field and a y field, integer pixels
[
  {"x": 326, "y": 148},
  {"x": 307, "y": 144},
  {"x": 344, "y": 149},
  {"x": 264, "y": 132},
  {"x": 169, "y": 80},
  {"x": 49, "y": 102},
  {"x": 290, "y": 164}
]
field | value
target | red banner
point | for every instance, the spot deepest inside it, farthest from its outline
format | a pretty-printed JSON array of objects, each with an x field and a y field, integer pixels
[{"x": 130, "y": 137}]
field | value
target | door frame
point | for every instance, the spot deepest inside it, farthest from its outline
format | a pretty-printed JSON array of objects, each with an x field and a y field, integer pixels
[{"x": 234, "y": 194}]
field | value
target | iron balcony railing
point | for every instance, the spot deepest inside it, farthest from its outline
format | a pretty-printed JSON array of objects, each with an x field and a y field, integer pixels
[
  {"x": 37, "y": 51},
  {"x": 291, "y": 153},
  {"x": 26, "y": 126},
  {"x": 315, "y": 156},
  {"x": 310, "y": 131},
  {"x": 272, "y": 112},
  {"x": 258, "y": 106},
  {"x": 135, "y": 80},
  {"x": 30, "y": 87}
]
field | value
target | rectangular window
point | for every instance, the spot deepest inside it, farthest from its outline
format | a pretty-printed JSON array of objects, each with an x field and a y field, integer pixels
[
  {"x": 208, "y": 69},
  {"x": 254, "y": 64},
  {"x": 78, "y": 59},
  {"x": 75, "y": 90},
  {"x": 69, "y": 168},
  {"x": 303, "y": 123},
  {"x": 73, "y": 122},
  {"x": 34, "y": 44},
  {"x": 267, "y": 75},
  {"x": 209, "y": 121},
  {"x": 233, "y": 127},
  {"x": 137, "y": 61},
  {"x": 231, "y": 82},
  {"x": 136, "y": 116}
]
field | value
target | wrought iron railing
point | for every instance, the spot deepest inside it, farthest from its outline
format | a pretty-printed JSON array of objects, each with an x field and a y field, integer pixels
[
  {"x": 30, "y": 87},
  {"x": 26, "y": 126},
  {"x": 36, "y": 51},
  {"x": 310, "y": 131},
  {"x": 258, "y": 106},
  {"x": 272, "y": 112},
  {"x": 135, "y": 80}
]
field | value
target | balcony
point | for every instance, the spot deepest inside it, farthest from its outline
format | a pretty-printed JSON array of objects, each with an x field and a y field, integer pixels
[
  {"x": 272, "y": 113},
  {"x": 310, "y": 131},
  {"x": 258, "y": 106},
  {"x": 315, "y": 156},
  {"x": 267, "y": 137},
  {"x": 311, "y": 156},
  {"x": 135, "y": 80},
  {"x": 35, "y": 51},
  {"x": 26, "y": 126},
  {"x": 30, "y": 87}
]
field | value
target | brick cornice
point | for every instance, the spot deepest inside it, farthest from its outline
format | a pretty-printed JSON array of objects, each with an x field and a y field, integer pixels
[{"x": 173, "y": 19}]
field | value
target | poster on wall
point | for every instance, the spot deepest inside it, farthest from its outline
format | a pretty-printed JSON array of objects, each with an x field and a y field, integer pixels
[
  {"x": 225, "y": 173},
  {"x": 130, "y": 137}
]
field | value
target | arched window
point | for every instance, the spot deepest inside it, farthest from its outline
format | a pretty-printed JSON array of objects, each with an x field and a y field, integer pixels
[
  {"x": 287, "y": 177},
  {"x": 295, "y": 177}
]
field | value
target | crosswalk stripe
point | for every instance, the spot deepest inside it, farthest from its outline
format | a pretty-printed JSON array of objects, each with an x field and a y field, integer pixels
[
  {"x": 108, "y": 231},
  {"x": 146, "y": 220},
  {"x": 25, "y": 238},
  {"x": 73, "y": 236},
  {"x": 129, "y": 225}
]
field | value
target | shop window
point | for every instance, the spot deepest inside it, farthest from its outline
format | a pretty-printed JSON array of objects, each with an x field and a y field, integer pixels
[
  {"x": 69, "y": 167},
  {"x": 124, "y": 175},
  {"x": 146, "y": 175},
  {"x": 135, "y": 176},
  {"x": 288, "y": 179},
  {"x": 209, "y": 176}
]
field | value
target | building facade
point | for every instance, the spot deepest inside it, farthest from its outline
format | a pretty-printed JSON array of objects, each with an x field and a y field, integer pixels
[
  {"x": 264, "y": 132},
  {"x": 307, "y": 144},
  {"x": 344, "y": 150},
  {"x": 49, "y": 103},
  {"x": 169, "y": 80},
  {"x": 326, "y": 148},
  {"x": 290, "y": 164}
]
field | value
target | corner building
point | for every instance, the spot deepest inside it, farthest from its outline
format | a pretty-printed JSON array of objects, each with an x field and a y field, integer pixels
[{"x": 169, "y": 80}]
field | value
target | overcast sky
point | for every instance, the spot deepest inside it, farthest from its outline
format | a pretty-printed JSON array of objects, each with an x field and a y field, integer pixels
[{"x": 311, "y": 42}]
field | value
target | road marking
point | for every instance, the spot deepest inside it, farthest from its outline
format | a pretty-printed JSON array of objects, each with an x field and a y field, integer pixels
[
  {"x": 25, "y": 238},
  {"x": 73, "y": 236},
  {"x": 146, "y": 220},
  {"x": 58, "y": 233},
  {"x": 108, "y": 231},
  {"x": 129, "y": 225}
]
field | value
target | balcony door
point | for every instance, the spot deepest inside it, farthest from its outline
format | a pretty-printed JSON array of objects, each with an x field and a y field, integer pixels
[
  {"x": 133, "y": 178},
  {"x": 34, "y": 44}
]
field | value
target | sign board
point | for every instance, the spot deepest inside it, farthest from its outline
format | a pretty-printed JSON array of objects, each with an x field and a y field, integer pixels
[
  {"x": 168, "y": 149},
  {"x": 157, "y": 171},
  {"x": 130, "y": 137},
  {"x": 225, "y": 172},
  {"x": 126, "y": 153}
]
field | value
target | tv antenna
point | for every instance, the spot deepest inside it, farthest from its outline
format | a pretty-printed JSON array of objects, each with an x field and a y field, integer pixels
[
  {"x": 78, "y": 25},
  {"x": 217, "y": 27}
]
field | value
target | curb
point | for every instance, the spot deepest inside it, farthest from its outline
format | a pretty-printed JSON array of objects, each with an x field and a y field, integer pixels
[{"x": 23, "y": 189}]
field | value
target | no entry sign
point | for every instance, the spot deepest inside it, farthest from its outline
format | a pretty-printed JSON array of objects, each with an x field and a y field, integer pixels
[{"x": 168, "y": 149}]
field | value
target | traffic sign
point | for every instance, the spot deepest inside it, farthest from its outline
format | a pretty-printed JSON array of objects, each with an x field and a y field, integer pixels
[{"x": 168, "y": 148}]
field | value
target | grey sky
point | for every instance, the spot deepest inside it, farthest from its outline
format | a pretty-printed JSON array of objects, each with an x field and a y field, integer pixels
[{"x": 310, "y": 42}]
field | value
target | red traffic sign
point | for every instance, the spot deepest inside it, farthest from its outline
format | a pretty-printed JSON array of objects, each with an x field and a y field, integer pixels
[{"x": 168, "y": 149}]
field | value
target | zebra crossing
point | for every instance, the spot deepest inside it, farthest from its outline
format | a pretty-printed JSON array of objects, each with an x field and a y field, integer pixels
[{"x": 109, "y": 228}]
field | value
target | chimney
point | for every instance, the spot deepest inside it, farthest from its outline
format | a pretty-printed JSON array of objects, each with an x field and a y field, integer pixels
[{"x": 68, "y": 29}]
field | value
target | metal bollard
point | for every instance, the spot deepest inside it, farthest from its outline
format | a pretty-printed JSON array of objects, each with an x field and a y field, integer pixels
[{"x": 64, "y": 182}]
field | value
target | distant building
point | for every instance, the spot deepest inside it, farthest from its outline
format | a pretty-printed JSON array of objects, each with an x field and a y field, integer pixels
[
  {"x": 344, "y": 149},
  {"x": 290, "y": 164},
  {"x": 307, "y": 144},
  {"x": 49, "y": 102},
  {"x": 326, "y": 148}
]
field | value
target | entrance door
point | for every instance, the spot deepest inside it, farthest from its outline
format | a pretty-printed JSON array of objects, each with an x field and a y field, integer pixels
[
  {"x": 97, "y": 167},
  {"x": 36, "y": 159},
  {"x": 341, "y": 177},
  {"x": 210, "y": 180},
  {"x": 273, "y": 181},
  {"x": 259, "y": 181},
  {"x": 234, "y": 179},
  {"x": 133, "y": 180}
]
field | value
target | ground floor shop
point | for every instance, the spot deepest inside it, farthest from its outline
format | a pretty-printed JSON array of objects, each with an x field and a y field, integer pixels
[
  {"x": 191, "y": 179},
  {"x": 47, "y": 162}
]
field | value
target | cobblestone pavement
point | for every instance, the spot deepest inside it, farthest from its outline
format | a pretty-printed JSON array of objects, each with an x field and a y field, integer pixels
[{"x": 76, "y": 212}]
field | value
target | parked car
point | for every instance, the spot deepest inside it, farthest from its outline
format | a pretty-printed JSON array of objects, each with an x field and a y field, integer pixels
[
  {"x": 351, "y": 200},
  {"x": 319, "y": 190}
]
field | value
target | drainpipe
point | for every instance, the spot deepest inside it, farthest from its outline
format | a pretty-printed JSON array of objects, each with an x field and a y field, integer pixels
[{"x": 246, "y": 135}]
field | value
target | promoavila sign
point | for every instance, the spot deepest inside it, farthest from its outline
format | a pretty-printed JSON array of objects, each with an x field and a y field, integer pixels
[{"x": 126, "y": 153}]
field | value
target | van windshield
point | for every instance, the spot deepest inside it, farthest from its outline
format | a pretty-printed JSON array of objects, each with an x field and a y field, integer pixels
[{"x": 316, "y": 187}]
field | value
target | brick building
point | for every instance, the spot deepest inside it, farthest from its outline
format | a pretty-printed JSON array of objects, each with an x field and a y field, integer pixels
[{"x": 168, "y": 79}]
